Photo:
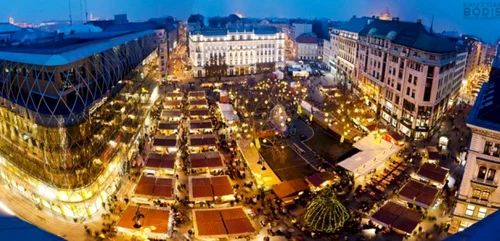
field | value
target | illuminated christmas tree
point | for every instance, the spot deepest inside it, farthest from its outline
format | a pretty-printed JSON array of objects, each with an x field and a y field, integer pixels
[{"x": 326, "y": 213}]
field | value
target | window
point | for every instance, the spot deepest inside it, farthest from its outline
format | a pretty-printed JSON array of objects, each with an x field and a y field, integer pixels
[
  {"x": 463, "y": 225},
  {"x": 481, "y": 213},
  {"x": 491, "y": 174},
  {"x": 470, "y": 210},
  {"x": 485, "y": 195},
  {"x": 476, "y": 193},
  {"x": 415, "y": 78},
  {"x": 412, "y": 93},
  {"x": 398, "y": 87},
  {"x": 407, "y": 90},
  {"x": 482, "y": 172},
  {"x": 410, "y": 78}
]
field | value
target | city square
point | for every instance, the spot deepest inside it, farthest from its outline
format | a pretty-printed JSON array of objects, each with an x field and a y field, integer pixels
[{"x": 244, "y": 128}]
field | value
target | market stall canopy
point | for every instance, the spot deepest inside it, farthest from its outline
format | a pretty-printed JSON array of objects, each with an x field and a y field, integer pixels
[
  {"x": 290, "y": 188},
  {"x": 14, "y": 228},
  {"x": 194, "y": 124},
  {"x": 433, "y": 153},
  {"x": 211, "y": 159},
  {"x": 221, "y": 222},
  {"x": 419, "y": 194},
  {"x": 171, "y": 113},
  {"x": 433, "y": 172},
  {"x": 202, "y": 140},
  {"x": 265, "y": 178},
  {"x": 197, "y": 95},
  {"x": 152, "y": 217},
  {"x": 155, "y": 187},
  {"x": 373, "y": 152},
  {"x": 206, "y": 188},
  {"x": 320, "y": 178},
  {"x": 397, "y": 216},
  {"x": 165, "y": 141},
  {"x": 156, "y": 160},
  {"x": 199, "y": 102},
  {"x": 199, "y": 112},
  {"x": 227, "y": 112},
  {"x": 168, "y": 125}
]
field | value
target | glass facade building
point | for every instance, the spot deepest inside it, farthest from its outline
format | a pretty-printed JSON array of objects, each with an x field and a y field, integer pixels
[{"x": 71, "y": 114}]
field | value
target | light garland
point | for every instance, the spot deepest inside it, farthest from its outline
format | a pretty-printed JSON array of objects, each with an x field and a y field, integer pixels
[{"x": 326, "y": 213}]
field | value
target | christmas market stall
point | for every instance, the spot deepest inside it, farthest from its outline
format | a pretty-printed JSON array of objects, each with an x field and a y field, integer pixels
[
  {"x": 145, "y": 223},
  {"x": 159, "y": 164},
  {"x": 227, "y": 223},
  {"x": 432, "y": 174},
  {"x": 202, "y": 143},
  {"x": 214, "y": 188},
  {"x": 418, "y": 193},
  {"x": 165, "y": 144},
  {"x": 151, "y": 188},
  {"x": 171, "y": 115},
  {"x": 401, "y": 219},
  {"x": 288, "y": 191},
  {"x": 200, "y": 127},
  {"x": 206, "y": 161}
]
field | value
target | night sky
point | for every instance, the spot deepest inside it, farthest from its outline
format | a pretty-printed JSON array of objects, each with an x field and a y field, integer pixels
[{"x": 448, "y": 14}]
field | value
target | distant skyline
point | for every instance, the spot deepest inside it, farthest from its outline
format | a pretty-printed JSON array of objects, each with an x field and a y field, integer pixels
[{"x": 448, "y": 14}]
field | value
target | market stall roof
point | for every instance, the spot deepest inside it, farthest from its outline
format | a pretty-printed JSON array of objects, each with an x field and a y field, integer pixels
[
  {"x": 156, "y": 187},
  {"x": 194, "y": 124},
  {"x": 199, "y": 112},
  {"x": 198, "y": 102},
  {"x": 202, "y": 140},
  {"x": 433, "y": 172},
  {"x": 174, "y": 95},
  {"x": 165, "y": 141},
  {"x": 319, "y": 178},
  {"x": 227, "y": 111},
  {"x": 433, "y": 153},
  {"x": 373, "y": 152},
  {"x": 152, "y": 217},
  {"x": 171, "y": 113},
  {"x": 206, "y": 159},
  {"x": 172, "y": 103},
  {"x": 267, "y": 178},
  {"x": 419, "y": 194},
  {"x": 398, "y": 216},
  {"x": 221, "y": 222},
  {"x": 206, "y": 188},
  {"x": 156, "y": 160},
  {"x": 290, "y": 188},
  {"x": 168, "y": 125},
  {"x": 14, "y": 228},
  {"x": 396, "y": 136},
  {"x": 197, "y": 94}
]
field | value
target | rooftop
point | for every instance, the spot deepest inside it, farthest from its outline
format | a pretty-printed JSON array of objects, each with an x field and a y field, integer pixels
[
  {"x": 480, "y": 231},
  {"x": 68, "y": 49},
  {"x": 307, "y": 38},
  {"x": 355, "y": 24},
  {"x": 484, "y": 113},
  {"x": 263, "y": 30},
  {"x": 410, "y": 34},
  {"x": 8, "y": 28}
]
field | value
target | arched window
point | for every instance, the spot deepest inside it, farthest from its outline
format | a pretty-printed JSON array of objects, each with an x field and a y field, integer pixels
[
  {"x": 491, "y": 174},
  {"x": 482, "y": 172}
]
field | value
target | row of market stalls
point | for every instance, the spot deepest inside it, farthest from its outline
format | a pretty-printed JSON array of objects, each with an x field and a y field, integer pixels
[
  {"x": 142, "y": 218},
  {"x": 422, "y": 191}
]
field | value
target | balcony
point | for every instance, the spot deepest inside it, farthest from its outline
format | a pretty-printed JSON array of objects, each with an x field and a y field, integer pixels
[
  {"x": 484, "y": 182},
  {"x": 476, "y": 200}
]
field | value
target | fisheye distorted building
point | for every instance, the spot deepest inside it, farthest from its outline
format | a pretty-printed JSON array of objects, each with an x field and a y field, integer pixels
[
  {"x": 72, "y": 109},
  {"x": 236, "y": 50}
]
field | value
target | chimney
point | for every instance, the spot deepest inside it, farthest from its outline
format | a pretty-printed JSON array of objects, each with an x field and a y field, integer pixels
[
  {"x": 353, "y": 16},
  {"x": 419, "y": 21}
]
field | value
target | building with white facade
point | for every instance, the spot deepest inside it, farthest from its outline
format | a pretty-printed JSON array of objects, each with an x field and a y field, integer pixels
[
  {"x": 236, "y": 50},
  {"x": 408, "y": 75},
  {"x": 344, "y": 39},
  {"x": 307, "y": 47},
  {"x": 474, "y": 49},
  {"x": 479, "y": 195}
]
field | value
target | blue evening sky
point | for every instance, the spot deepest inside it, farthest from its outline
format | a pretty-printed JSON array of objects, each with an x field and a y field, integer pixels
[{"x": 448, "y": 14}]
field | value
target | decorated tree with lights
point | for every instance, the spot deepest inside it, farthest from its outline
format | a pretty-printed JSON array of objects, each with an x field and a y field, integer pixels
[{"x": 325, "y": 213}]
